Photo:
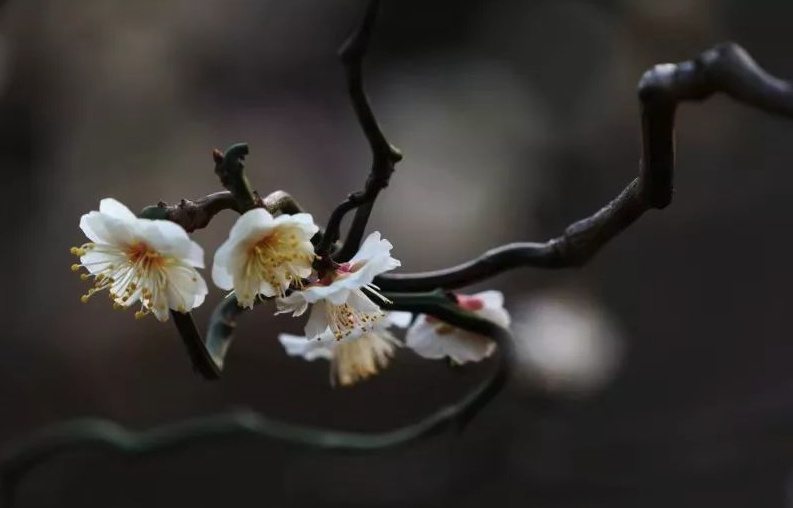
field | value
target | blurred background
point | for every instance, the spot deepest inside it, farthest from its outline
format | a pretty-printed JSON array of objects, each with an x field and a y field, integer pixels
[{"x": 665, "y": 362}]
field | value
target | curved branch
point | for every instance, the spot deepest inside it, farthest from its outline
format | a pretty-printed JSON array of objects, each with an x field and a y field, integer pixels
[
  {"x": 19, "y": 459},
  {"x": 192, "y": 214},
  {"x": 384, "y": 155},
  {"x": 725, "y": 68}
]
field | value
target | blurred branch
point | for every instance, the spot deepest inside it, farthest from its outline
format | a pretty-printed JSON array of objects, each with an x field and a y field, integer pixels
[
  {"x": 726, "y": 68},
  {"x": 20, "y": 458},
  {"x": 384, "y": 156}
]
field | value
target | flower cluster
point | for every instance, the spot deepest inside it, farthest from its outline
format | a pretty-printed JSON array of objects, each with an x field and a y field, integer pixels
[{"x": 154, "y": 264}]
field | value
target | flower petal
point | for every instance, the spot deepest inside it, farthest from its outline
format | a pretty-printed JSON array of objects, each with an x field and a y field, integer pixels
[
  {"x": 317, "y": 321},
  {"x": 115, "y": 209},
  {"x": 294, "y": 303},
  {"x": 104, "y": 229},
  {"x": 399, "y": 319},
  {"x": 310, "y": 350},
  {"x": 459, "y": 345},
  {"x": 222, "y": 267},
  {"x": 169, "y": 238},
  {"x": 251, "y": 225}
]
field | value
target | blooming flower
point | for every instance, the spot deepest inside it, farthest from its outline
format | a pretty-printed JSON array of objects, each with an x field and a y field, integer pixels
[
  {"x": 338, "y": 300},
  {"x": 150, "y": 261},
  {"x": 357, "y": 357},
  {"x": 265, "y": 255},
  {"x": 434, "y": 339}
]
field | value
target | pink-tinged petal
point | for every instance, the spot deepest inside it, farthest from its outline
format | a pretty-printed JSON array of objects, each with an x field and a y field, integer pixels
[
  {"x": 317, "y": 321},
  {"x": 115, "y": 209}
]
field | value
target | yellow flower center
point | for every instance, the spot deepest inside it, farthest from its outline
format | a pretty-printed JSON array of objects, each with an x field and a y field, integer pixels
[{"x": 276, "y": 259}]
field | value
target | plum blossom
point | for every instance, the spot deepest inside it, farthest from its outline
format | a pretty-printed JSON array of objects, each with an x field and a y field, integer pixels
[
  {"x": 140, "y": 260},
  {"x": 264, "y": 255},
  {"x": 337, "y": 299},
  {"x": 434, "y": 339},
  {"x": 355, "y": 358}
]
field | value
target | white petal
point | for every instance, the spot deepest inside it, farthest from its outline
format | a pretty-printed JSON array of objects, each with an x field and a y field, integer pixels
[
  {"x": 103, "y": 229},
  {"x": 334, "y": 292},
  {"x": 161, "y": 313},
  {"x": 251, "y": 225},
  {"x": 423, "y": 339},
  {"x": 302, "y": 221},
  {"x": 459, "y": 345},
  {"x": 246, "y": 289},
  {"x": 97, "y": 262},
  {"x": 359, "y": 301},
  {"x": 317, "y": 321},
  {"x": 491, "y": 298},
  {"x": 115, "y": 209},
  {"x": 222, "y": 267},
  {"x": 399, "y": 319},
  {"x": 372, "y": 246},
  {"x": 497, "y": 315},
  {"x": 169, "y": 238},
  {"x": 186, "y": 288},
  {"x": 310, "y": 350},
  {"x": 462, "y": 346},
  {"x": 294, "y": 303}
]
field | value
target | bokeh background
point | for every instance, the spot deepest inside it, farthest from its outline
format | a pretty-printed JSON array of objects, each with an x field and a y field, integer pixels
[{"x": 664, "y": 363}]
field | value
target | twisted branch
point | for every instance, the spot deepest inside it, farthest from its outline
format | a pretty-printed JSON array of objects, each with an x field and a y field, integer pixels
[
  {"x": 384, "y": 155},
  {"x": 19, "y": 459},
  {"x": 726, "y": 68}
]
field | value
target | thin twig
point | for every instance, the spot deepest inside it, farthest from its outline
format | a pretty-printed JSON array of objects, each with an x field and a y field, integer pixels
[
  {"x": 384, "y": 155},
  {"x": 20, "y": 458},
  {"x": 726, "y": 68}
]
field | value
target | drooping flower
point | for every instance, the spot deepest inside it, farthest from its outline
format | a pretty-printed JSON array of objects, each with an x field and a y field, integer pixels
[
  {"x": 140, "y": 260},
  {"x": 265, "y": 255},
  {"x": 355, "y": 358},
  {"x": 434, "y": 339},
  {"x": 338, "y": 300}
]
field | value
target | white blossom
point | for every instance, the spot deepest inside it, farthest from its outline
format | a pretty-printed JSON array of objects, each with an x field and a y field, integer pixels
[
  {"x": 337, "y": 300},
  {"x": 265, "y": 255},
  {"x": 140, "y": 260},
  {"x": 354, "y": 358},
  {"x": 434, "y": 339}
]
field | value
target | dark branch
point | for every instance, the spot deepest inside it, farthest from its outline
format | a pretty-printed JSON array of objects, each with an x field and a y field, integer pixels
[
  {"x": 384, "y": 156},
  {"x": 192, "y": 214},
  {"x": 726, "y": 68},
  {"x": 230, "y": 168},
  {"x": 20, "y": 458}
]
